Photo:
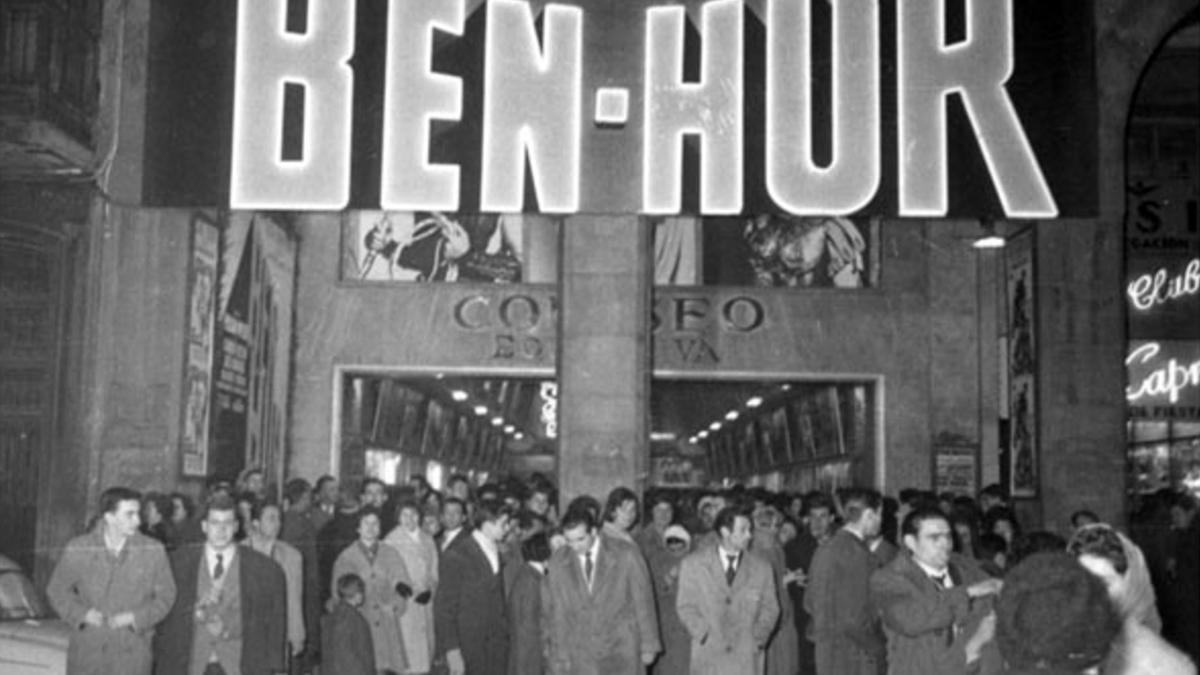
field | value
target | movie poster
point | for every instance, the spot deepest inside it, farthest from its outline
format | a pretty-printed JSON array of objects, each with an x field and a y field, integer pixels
[
  {"x": 1022, "y": 365},
  {"x": 198, "y": 350}
]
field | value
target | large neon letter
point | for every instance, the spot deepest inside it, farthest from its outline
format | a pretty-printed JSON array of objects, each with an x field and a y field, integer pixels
[
  {"x": 976, "y": 69},
  {"x": 711, "y": 109},
  {"x": 413, "y": 96},
  {"x": 269, "y": 58},
  {"x": 533, "y": 100},
  {"x": 794, "y": 181}
]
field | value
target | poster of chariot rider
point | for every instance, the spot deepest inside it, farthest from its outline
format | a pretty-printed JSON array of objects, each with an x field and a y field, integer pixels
[{"x": 463, "y": 247}]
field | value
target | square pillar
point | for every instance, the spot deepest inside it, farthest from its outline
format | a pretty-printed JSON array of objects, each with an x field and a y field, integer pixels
[{"x": 604, "y": 364}]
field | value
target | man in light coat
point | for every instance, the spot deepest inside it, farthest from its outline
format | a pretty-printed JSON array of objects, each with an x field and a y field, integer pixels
[
  {"x": 265, "y": 523},
  {"x": 599, "y": 604},
  {"x": 112, "y": 586},
  {"x": 846, "y": 633},
  {"x": 727, "y": 600},
  {"x": 936, "y": 605}
]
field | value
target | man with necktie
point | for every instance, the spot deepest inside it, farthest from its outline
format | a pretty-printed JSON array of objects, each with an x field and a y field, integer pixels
[
  {"x": 230, "y": 612},
  {"x": 599, "y": 603},
  {"x": 727, "y": 600},
  {"x": 936, "y": 605}
]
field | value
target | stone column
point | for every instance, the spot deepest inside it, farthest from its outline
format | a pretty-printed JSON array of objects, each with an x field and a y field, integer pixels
[{"x": 604, "y": 355}]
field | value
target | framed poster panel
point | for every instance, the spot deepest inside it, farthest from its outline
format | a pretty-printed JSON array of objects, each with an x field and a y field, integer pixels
[
  {"x": 1021, "y": 306},
  {"x": 199, "y": 346}
]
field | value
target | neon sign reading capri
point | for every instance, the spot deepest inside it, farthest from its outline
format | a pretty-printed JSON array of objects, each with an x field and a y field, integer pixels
[
  {"x": 535, "y": 107},
  {"x": 1167, "y": 379}
]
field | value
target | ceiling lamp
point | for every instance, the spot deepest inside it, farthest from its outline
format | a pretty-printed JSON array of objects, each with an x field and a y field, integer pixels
[
  {"x": 754, "y": 402},
  {"x": 459, "y": 395},
  {"x": 715, "y": 426},
  {"x": 990, "y": 238},
  {"x": 731, "y": 415},
  {"x": 481, "y": 410}
]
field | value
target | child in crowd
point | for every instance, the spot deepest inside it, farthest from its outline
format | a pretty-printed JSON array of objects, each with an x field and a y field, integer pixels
[{"x": 346, "y": 645}]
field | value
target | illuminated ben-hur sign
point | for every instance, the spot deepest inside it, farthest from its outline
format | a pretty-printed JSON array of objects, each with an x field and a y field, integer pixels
[{"x": 535, "y": 107}]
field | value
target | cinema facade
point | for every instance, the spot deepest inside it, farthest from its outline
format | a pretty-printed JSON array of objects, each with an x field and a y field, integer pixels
[{"x": 650, "y": 293}]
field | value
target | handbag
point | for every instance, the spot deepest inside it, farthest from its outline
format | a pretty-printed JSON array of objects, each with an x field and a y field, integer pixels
[{"x": 496, "y": 262}]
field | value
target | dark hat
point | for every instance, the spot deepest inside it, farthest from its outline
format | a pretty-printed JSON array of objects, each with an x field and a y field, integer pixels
[{"x": 1054, "y": 614}]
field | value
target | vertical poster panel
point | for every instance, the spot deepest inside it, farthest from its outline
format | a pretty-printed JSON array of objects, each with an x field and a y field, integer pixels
[
  {"x": 198, "y": 350},
  {"x": 1021, "y": 285}
]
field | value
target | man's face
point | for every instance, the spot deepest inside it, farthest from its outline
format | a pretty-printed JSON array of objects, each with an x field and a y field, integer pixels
[
  {"x": 374, "y": 495},
  {"x": 410, "y": 520},
  {"x": 459, "y": 489},
  {"x": 497, "y": 529},
  {"x": 539, "y": 503},
  {"x": 269, "y": 522},
  {"x": 819, "y": 520},
  {"x": 580, "y": 538},
  {"x": 737, "y": 538},
  {"x": 124, "y": 520},
  {"x": 303, "y": 502},
  {"x": 255, "y": 483},
  {"x": 452, "y": 516},
  {"x": 219, "y": 528},
  {"x": 329, "y": 492},
  {"x": 872, "y": 521},
  {"x": 932, "y": 543}
]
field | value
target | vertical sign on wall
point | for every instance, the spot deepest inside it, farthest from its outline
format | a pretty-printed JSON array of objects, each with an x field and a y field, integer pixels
[
  {"x": 198, "y": 350},
  {"x": 1022, "y": 364}
]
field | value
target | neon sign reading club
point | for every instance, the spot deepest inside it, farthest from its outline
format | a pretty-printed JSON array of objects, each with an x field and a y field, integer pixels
[{"x": 535, "y": 107}]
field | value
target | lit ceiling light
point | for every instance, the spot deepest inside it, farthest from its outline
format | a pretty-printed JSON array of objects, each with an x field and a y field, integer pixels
[
  {"x": 692, "y": 440},
  {"x": 662, "y": 436},
  {"x": 459, "y": 395},
  {"x": 481, "y": 410},
  {"x": 990, "y": 237},
  {"x": 518, "y": 435},
  {"x": 785, "y": 387},
  {"x": 731, "y": 415},
  {"x": 754, "y": 402},
  {"x": 715, "y": 426},
  {"x": 508, "y": 428},
  {"x": 497, "y": 421},
  {"x": 703, "y": 434}
]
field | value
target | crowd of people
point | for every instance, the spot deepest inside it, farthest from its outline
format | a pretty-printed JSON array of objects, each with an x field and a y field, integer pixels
[{"x": 497, "y": 579}]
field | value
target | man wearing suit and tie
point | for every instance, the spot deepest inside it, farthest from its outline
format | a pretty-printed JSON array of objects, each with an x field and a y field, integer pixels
[
  {"x": 599, "y": 604},
  {"x": 727, "y": 600},
  {"x": 230, "y": 612},
  {"x": 454, "y": 516},
  {"x": 469, "y": 617},
  {"x": 936, "y": 605}
]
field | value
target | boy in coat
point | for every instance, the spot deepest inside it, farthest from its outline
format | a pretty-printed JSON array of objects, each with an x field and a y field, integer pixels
[
  {"x": 346, "y": 646},
  {"x": 727, "y": 600}
]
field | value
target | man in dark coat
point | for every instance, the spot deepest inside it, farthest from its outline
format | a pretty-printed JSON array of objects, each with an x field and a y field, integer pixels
[
  {"x": 526, "y": 649},
  {"x": 230, "y": 612},
  {"x": 470, "y": 620},
  {"x": 298, "y": 531},
  {"x": 799, "y": 552},
  {"x": 933, "y": 603},
  {"x": 845, "y": 626}
]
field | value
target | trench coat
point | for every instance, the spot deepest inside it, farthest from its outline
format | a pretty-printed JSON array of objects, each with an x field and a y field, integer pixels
[
  {"x": 139, "y": 580},
  {"x": 606, "y": 630},
  {"x": 527, "y": 646},
  {"x": 846, "y": 634},
  {"x": 416, "y": 625},
  {"x": 783, "y": 652},
  {"x": 729, "y": 624},
  {"x": 928, "y": 627},
  {"x": 382, "y": 606}
]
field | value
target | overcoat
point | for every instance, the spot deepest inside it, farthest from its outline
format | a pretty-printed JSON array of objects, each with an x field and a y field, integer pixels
[
  {"x": 604, "y": 631},
  {"x": 527, "y": 646},
  {"x": 847, "y": 637},
  {"x": 382, "y": 606},
  {"x": 469, "y": 613},
  {"x": 783, "y": 651},
  {"x": 292, "y": 563},
  {"x": 729, "y": 624},
  {"x": 676, "y": 657},
  {"x": 298, "y": 530},
  {"x": 139, "y": 580},
  {"x": 264, "y": 613},
  {"x": 416, "y": 625},
  {"x": 928, "y": 627}
]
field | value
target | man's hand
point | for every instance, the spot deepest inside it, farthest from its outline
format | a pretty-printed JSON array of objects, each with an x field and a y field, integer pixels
[
  {"x": 454, "y": 662},
  {"x": 796, "y": 576},
  {"x": 648, "y": 658},
  {"x": 983, "y": 635},
  {"x": 985, "y": 588},
  {"x": 297, "y": 647},
  {"x": 94, "y": 618},
  {"x": 122, "y": 620}
]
